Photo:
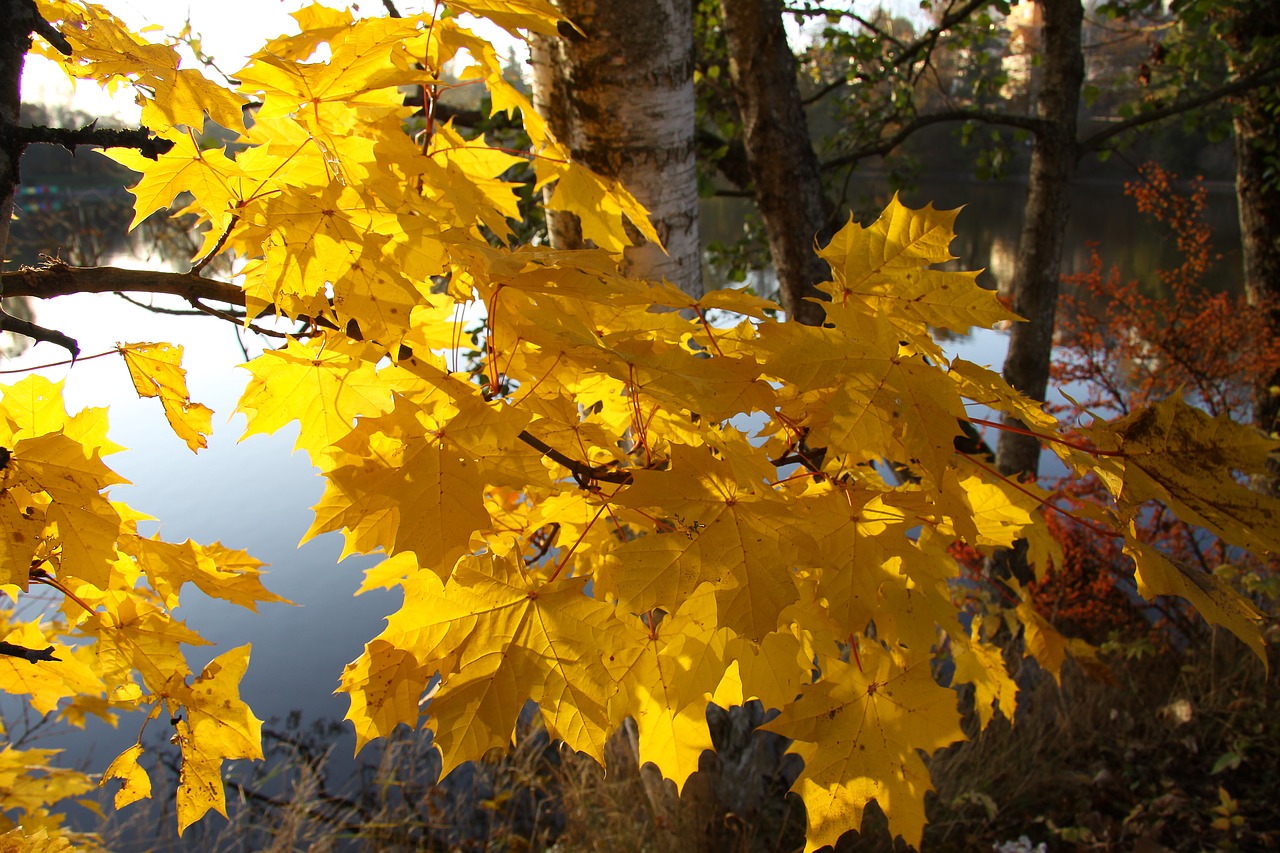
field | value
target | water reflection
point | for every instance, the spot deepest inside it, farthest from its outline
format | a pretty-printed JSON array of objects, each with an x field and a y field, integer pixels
[{"x": 988, "y": 227}]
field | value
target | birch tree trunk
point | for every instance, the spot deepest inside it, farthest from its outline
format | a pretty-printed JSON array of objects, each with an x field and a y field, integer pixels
[
  {"x": 620, "y": 95},
  {"x": 780, "y": 156},
  {"x": 1039, "y": 261}
]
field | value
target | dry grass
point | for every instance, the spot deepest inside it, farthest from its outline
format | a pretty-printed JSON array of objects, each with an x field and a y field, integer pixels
[{"x": 1136, "y": 764}]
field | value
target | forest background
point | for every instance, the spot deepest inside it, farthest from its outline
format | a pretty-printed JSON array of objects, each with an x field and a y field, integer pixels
[{"x": 978, "y": 811}]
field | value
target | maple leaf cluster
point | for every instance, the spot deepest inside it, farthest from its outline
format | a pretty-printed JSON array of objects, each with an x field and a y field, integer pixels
[{"x": 636, "y": 503}]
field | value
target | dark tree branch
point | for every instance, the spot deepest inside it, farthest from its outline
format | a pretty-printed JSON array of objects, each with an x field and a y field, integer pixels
[
  {"x": 55, "y": 279},
  {"x": 29, "y": 655},
  {"x": 927, "y": 41},
  {"x": 925, "y": 44},
  {"x": 730, "y": 157},
  {"x": 28, "y": 329},
  {"x": 824, "y": 91},
  {"x": 887, "y": 145},
  {"x": 1268, "y": 76},
  {"x": 582, "y": 472},
  {"x": 35, "y": 23},
  {"x": 58, "y": 279},
  {"x": 171, "y": 312},
  {"x": 148, "y": 146}
]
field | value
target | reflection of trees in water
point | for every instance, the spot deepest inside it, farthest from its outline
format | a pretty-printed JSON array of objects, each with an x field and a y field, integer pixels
[
  {"x": 87, "y": 228},
  {"x": 20, "y": 308},
  {"x": 82, "y": 228},
  {"x": 74, "y": 209}
]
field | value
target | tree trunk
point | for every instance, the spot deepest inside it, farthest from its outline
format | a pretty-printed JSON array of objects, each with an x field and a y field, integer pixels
[
  {"x": 1252, "y": 31},
  {"x": 1259, "y": 198},
  {"x": 780, "y": 155},
  {"x": 14, "y": 42},
  {"x": 1256, "y": 23},
  {"x": 620, "y": 96},
  {"x": 1039, "y": 261}
]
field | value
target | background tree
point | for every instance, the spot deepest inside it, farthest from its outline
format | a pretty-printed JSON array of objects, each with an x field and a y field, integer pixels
[
  {"x": 617, "y": 88},
  {"x": 893, "y": 84},
  {"x": 1252, "y": 32}
]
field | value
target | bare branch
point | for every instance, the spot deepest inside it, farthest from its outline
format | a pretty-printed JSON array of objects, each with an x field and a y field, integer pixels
[
  {"x": 55, "y": 279},
  {"x": 35, "y": 23},
  {"x": 58, "y": 279},
  {"x": 1264, "y": 77},
  {"x": 171, "y": 312},
  {"x": 140, "y": 138},
  {"x": 582, "y": 472},
  {"x": 927, "y": 41},
  {"x": 29, "y": 655},
  {"x": 887, "y": 145},
  {"x": 28, "y": 329}
]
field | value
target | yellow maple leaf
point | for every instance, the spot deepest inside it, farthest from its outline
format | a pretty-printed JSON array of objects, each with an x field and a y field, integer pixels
[
  {"x": 601, "y": 204},
  {"x": 199, "y": 779},
  {"x": 29, "y": 783},
  {"x": 385, "y": 687},
  {"x": 404, "y": 485},
  {"x": 219, "y": 572},
  {"x": 219, "y": 719},
  {"x": 74, "y": 478},
  {"x": 361, "y": 71},
  {"x": 219, "y": 727},
  {"x": 156, "y": 370},
  {"x": 1175, "y": 453},
  {"x": 773, "y": 670},
  {"x": 858, "y": 730},
  {"x": 520, "y": 637},
  {"x": 538, "y": 16},
  {"x": 103, "y": 47},
  {"x": 323, "y": 384},
  {"x": 135, "y": 782},
  {"x": 21, "y": 524},
  {"x": 33, "y": 407},
  {"x": 1215, "y": 599},
  {"x": 46, "y": 683},
  {"x": 982, "y": 664},
  {"x": 884, "y": 269},
  {"x": 136, "y": 635},
  {"x": 667, "y": 673},
  {"x": 737, "y": 535},
  {"x": 216, "y": 182}
]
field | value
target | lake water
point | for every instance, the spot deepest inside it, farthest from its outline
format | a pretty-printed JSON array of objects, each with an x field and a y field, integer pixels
[{"x": 257, "y": 495}]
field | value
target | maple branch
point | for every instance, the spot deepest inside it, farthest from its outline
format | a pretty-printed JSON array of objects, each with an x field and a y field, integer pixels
[
  {"x": 29, "y": 20},
  {"x": 29, "y": 655},
  {"x": 581, "y": 471},
  {"x": 156, "y": 309},
  {"x": 1056, "y": 439},
  {"x": 19, "y": 137},
  {"x": 56, "y": 278},
  {"x": 217, "y": 247},
  {"x": 9, "y": 323}
]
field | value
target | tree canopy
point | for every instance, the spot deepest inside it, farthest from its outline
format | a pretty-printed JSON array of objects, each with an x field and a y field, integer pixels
[{"x": 594, "y": 492}]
